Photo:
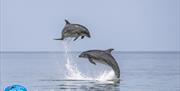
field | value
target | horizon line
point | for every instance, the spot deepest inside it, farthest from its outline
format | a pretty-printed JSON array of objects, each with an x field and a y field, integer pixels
[{"x": 81, "y": 51}]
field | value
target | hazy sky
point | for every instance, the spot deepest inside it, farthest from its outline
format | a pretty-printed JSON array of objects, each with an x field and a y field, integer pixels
[{"x": 125, "y": 25}]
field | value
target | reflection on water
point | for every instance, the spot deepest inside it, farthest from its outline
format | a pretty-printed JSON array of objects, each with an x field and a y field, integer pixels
[{"x": 80, "y": 85}]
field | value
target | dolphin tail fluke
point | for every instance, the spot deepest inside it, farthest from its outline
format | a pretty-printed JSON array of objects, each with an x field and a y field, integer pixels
[
  {"x": 116, "y": 80},
  {"x": 59, "y": 39}
]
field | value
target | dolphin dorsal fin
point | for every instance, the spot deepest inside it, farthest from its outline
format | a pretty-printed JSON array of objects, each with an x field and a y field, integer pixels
[
  {"x": 109, "y": 50},
  {"x": 67, "y": 22}
]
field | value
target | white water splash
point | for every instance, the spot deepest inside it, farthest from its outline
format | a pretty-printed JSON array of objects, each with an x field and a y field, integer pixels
[{"x": 75, "y": 74}]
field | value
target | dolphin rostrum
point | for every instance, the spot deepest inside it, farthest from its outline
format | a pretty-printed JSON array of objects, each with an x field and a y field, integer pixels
[
  {"x": 74, "y": 30},
  {"x": 102, "y": 56}
]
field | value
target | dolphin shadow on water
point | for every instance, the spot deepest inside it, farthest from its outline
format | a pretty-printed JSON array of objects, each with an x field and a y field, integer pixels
[
  {"x": 103, "y": 57},
  {"x": 74, "y": 30}
]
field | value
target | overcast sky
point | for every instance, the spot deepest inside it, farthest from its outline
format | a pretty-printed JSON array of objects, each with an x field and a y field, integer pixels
[{"x": 125, "y": 25}]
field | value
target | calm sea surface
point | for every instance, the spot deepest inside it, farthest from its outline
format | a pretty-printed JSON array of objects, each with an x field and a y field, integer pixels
[{"x": 49, "y": 72}]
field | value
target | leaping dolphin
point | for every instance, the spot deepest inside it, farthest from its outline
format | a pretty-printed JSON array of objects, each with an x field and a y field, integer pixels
[
  {"x": 74, "y": 30},
  {"x": 102, "y": 56}
]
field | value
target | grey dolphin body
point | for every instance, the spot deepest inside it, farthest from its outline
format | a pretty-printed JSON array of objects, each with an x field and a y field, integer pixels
[
  {"x": 103, "y": 57},
  {"x": 74, "y": 30}
]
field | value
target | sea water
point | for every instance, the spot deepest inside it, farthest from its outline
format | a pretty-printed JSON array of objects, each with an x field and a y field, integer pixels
[{"x": 64, "y": 71}]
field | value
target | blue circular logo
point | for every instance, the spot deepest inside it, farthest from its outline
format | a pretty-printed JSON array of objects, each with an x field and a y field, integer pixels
[{"x": 15, "y": 88}]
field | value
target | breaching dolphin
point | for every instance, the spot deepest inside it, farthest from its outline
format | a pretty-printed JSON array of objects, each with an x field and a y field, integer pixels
[
  {"x": 102, "y": 56},
  {"x": 74, "y": 30}
]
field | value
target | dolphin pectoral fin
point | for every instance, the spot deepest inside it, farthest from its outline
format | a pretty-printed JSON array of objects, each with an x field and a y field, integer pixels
[
  {"x": 82, "y": 37},
  {"x": 91, "y": 61},
  {"x": 76, "y": 38}
]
